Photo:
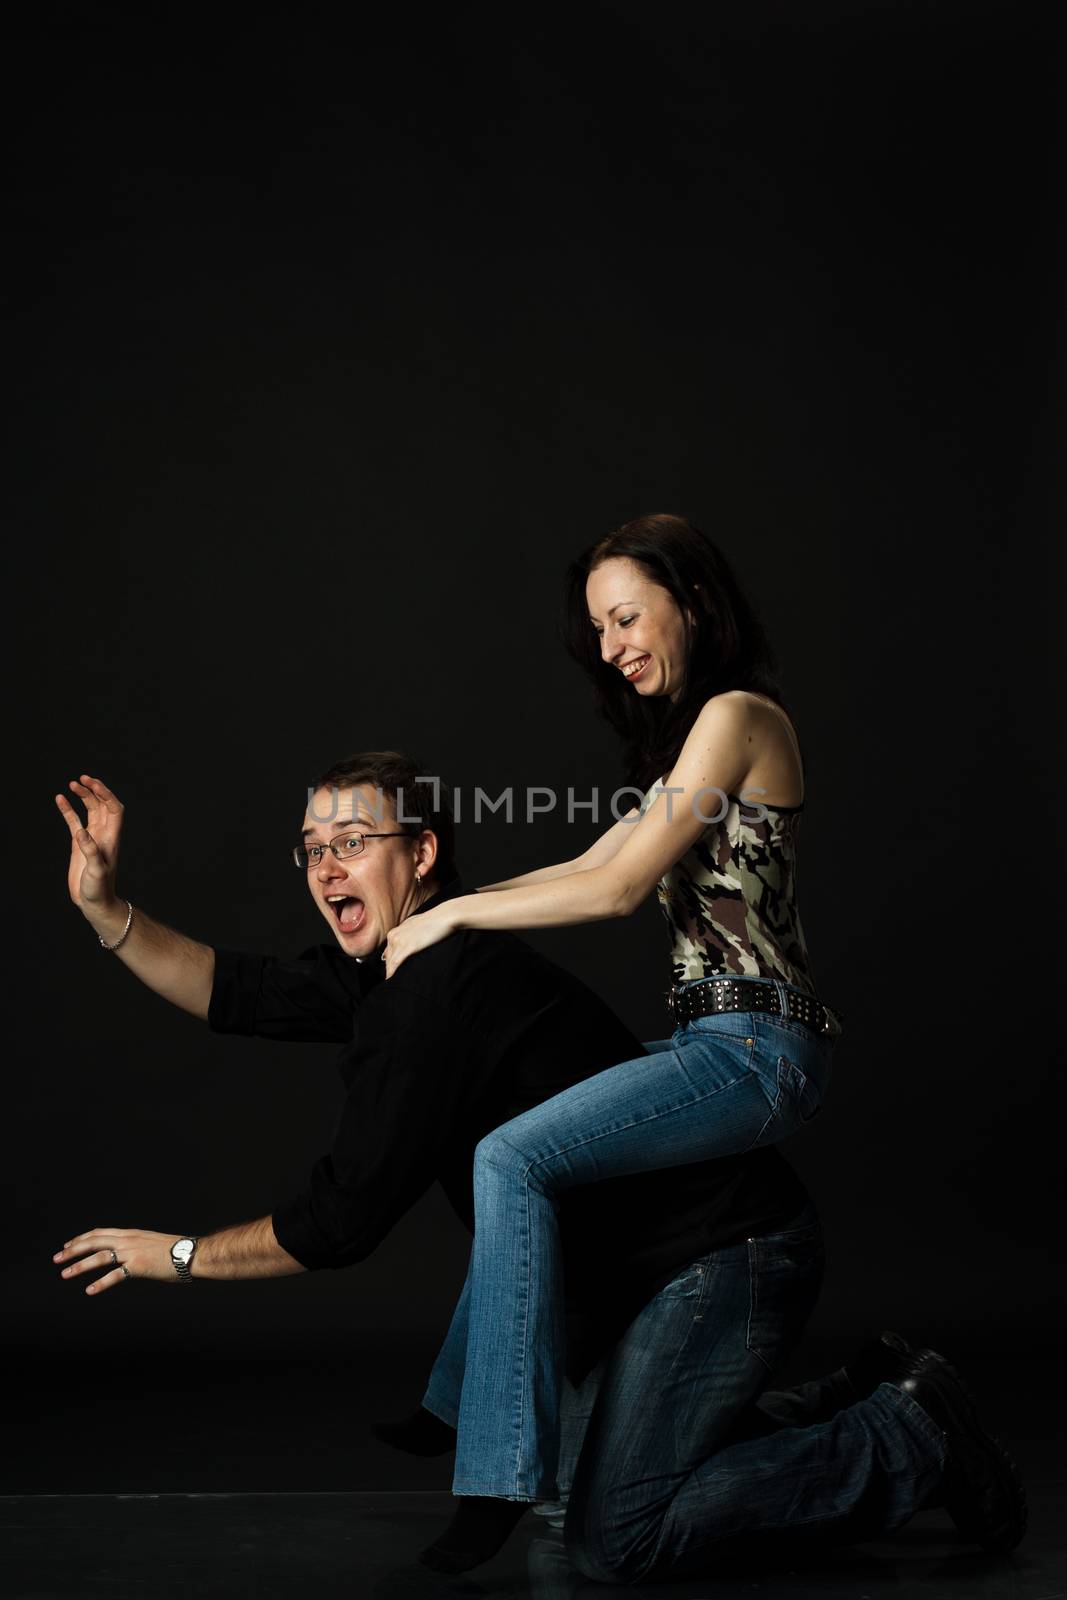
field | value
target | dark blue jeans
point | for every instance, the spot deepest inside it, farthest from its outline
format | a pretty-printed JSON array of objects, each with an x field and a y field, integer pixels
[{"x": 673, "y": 1455}]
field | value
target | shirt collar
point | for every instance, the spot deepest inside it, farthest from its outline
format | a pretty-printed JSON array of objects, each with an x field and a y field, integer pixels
[{"x": 447, "y": 891}]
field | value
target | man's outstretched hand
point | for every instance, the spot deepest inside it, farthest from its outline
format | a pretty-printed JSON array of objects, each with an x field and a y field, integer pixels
[
  {"x": 247, "y": 1250},
  {"x": 94, "y": 846},
  {"x": 181, "y": 970},
  {"x": 144, "y": 1255}
]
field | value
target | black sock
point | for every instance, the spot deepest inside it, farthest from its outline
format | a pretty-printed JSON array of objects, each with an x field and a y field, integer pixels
[
  {"x": 421, "y": 1434},
  {"x": 477, "y": 1531}
]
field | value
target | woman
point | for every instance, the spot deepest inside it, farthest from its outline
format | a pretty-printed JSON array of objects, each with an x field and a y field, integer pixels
[{"x": 681, "y": 668}]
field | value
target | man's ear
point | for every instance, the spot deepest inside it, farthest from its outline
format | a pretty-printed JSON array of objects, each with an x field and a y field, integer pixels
[{"x": 426, "y": 851}]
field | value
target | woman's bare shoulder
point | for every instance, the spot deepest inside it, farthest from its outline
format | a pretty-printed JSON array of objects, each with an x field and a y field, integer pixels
[
  {"x": 739, "y": 706},
  {"x": 723, "y": 716},
  {"x": 777, "y": 764},
  {"x": 742, "y": 701}
]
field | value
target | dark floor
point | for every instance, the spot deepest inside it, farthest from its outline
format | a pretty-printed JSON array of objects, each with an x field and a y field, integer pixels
[
  {"x": 124, "y": 1421},
  {"x": 273, "y": 1547},
  {"x": 353, "y": 1514}
]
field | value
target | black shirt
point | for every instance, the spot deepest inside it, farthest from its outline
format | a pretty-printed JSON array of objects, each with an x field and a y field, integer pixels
[{"x": 468, "y": 1034}]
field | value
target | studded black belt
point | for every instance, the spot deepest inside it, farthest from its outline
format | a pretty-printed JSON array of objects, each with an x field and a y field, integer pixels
[{"x": 712, "y": 995}]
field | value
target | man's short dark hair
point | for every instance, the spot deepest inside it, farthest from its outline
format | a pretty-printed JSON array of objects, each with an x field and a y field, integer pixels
[{"x": 422, "y": 805}]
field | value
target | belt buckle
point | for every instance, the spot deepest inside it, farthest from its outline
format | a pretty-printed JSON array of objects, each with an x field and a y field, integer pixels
[{"x": 672, "y": 1005}]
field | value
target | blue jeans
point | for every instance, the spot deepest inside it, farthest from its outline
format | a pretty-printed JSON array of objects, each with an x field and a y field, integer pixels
[
  {"x": 726, "y": 1084},
  {"x": 675, "y": 1457}
]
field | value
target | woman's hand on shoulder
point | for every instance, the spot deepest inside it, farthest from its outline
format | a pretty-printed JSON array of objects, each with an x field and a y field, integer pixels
[{"x": 414, "y": 934}]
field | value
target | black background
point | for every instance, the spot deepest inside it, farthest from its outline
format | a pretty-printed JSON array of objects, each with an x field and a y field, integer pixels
[{"x": 334, "y": 349}]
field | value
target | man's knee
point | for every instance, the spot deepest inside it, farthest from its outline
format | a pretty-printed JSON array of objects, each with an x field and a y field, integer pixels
[
  {"x": 588, "y": 1556},
  {"x": 594, "y": 1553}
]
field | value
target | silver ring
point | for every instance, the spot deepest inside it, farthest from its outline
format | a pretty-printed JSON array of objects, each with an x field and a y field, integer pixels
[
  {"x": 114, "y": 1259},
  {"x": 126, "y": 1273}
]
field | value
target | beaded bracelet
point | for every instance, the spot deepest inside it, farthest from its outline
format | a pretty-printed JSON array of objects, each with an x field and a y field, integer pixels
[{"x": 122, "y": 935}]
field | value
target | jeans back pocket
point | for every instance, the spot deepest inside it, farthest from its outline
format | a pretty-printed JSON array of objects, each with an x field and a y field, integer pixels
[
  {"x": 795, "y": 1099},
  {"x": 800, "y": 1091},
  {"x": 785, "y": 1276}
]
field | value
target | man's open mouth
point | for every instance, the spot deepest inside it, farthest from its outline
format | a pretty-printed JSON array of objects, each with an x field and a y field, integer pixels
[{"x": 348, "y": 910}]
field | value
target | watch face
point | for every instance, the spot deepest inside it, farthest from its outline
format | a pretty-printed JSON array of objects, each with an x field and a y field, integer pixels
[{"x": 182, "y": 1250}]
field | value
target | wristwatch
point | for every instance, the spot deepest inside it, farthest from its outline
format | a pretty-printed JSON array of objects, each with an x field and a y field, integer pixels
[{"x": 181, "y": 1253}]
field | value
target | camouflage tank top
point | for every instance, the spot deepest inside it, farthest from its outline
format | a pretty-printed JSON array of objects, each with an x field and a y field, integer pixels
[{"x": 730, "y": 902}]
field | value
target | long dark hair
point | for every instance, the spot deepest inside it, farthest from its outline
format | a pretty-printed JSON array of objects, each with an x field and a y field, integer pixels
[{"x": 726, "y": 648}]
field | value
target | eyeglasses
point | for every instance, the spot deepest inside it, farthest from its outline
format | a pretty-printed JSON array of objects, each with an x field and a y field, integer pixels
[{"x": 344, "y": 846}]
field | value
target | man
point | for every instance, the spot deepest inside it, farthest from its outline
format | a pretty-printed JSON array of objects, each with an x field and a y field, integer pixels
[{"x": 693, "y": 1282}]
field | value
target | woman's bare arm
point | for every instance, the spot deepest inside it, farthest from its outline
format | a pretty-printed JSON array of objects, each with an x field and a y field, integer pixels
[
  {"x": 715, "y": 760},
  {"x": 600, "y": 851}
]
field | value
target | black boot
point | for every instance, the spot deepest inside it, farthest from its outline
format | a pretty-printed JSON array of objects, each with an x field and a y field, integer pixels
[
  {"x": 885, "y": 1360},
  {"x": 982, "y": 1489}
]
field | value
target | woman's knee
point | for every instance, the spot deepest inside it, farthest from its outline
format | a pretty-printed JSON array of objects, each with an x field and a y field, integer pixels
[
  {"x": 498, "y": 1153},
  {"x": 523, "y": 1152}
]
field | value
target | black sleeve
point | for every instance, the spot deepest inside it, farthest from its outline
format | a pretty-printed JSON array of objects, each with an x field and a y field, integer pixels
[
  {"x": 311, "y": 998},
  {"x": 404, "y": 1112}
]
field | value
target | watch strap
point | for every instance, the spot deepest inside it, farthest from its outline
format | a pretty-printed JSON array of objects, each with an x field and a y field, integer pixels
[{"x": 181, "y": 1267}]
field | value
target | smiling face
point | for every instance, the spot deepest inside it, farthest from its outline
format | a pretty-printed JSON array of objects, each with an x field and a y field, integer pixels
[
  {"x": 365, "y": 896},
  {"x": 641, "y": 628}
]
